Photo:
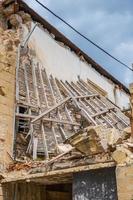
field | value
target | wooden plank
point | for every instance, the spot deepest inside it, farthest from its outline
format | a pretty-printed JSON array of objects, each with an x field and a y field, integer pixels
[
  {"x": 68, "y": 92},
  {"x": 61, "y": 121},
  {"x": 58, "y": 114},
  {"x": 84, "y": 110},
  {"x": 86, "y": 96},
  {"x": 97, "y": 88},
  {"x": 44, "y": 141},
  {"x": 119, "y": 118},
  {"x": 102, "y": 112},
  {"x": 26, "y": 83},
  {"x": 59, "y": 156},
  {"x": 29, "y": 146},
  {"x": 50, "y": 110},
  {"x": 86, "y": 85},
  {"x": 42, "y": 127},
  {"x": 107, "y": 121},
  {"x": 85, "y": 88},
  {"x": 60, "y": 95},
  {"x": 83, "y": 107},
  {"x": 78, "y": 89},
  {"x": 35, "y": 84},
  {"x": 91, "y": 103},
  {"x": 28, "y": 100},
  {"x": 18, "y": 115},
  {"x": 55, "y": 138},
  {"x": 25, "y": 104},
  {"x": 63, "y": 133},
  {"x": 35, "y": 143},
  {"x": 17, "y": 70}
]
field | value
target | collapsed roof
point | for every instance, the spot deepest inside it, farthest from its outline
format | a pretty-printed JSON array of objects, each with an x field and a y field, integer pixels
[{"x": 50, "y": 111}]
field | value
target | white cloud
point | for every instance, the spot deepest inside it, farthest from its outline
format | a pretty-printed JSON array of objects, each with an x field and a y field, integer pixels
[
  {"x": 128, "y": 77},
  {"x": 125, "y": 52}
]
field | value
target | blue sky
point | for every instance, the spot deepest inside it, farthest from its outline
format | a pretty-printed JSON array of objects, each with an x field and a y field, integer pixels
[{"x": 107, "y": 23}]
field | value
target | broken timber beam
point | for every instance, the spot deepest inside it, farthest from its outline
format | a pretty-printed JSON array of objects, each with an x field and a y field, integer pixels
[
  {"x": 50, "y": 110},
  {"x": 102, "y": 112},
  {"x": 131, "y": 100},
  {"x": 47, "y": 119},
  {"x": 59, "y": 156},
  {"x": 60, "y": 121},
  {"x": 25, "y": 104},
  {"x": 87, "y": 96}
]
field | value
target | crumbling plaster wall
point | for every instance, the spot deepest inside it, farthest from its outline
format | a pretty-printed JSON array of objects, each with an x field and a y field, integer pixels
[
  {"x": 10, "y": 37},
  {"x": 66, "y": 65},
  {"x": 8, "y": 40}
]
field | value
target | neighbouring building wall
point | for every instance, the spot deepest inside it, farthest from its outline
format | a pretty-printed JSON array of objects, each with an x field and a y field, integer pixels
[
  {"x": 95, "y": 184},
  {"x": 64, "y": 64},
  {"x": 124, "y": 176}
]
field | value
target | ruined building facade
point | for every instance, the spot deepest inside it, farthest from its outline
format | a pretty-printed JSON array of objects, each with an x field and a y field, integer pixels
[{"x": 63, "y": 134}]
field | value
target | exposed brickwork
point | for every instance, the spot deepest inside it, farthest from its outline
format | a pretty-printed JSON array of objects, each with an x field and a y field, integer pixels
[{"x": 124, "y": 177}]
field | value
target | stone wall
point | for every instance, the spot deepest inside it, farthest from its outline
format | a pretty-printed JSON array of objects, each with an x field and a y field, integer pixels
[
  {"x": 124, "y": 176},
  {"x": 95, "y": 184},
  {"x": 11, "y": 32},
  {"x": 8, "y": 47},
  {"x": 7, "y": 92}
]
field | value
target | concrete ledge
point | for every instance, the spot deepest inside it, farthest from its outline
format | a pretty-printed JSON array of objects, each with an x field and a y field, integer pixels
[{"x": 63, "y": 175}]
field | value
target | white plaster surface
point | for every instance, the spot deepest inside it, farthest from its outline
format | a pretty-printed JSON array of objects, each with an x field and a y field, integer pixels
[{"x": 64, "y": 64}]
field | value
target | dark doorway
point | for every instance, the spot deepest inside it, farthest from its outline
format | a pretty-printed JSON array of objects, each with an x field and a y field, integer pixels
[
  {"x": 36, "y": 191},
  {"x": 59, "y": 192},
  {"x": 95, "y": 185}
]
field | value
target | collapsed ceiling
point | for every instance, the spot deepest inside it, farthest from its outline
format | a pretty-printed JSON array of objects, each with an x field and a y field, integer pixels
[{"x": 50, "y": 111}]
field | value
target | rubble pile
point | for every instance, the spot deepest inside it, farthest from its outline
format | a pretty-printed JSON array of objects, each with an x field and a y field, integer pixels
[
  {"x": 95, "y": 140},
  {"x": 92, "y": 145},
  {"x": 72, "y": 159}
]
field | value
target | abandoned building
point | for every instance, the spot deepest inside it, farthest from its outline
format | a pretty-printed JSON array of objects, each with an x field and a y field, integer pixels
[{"x": 64, "y": 134}]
